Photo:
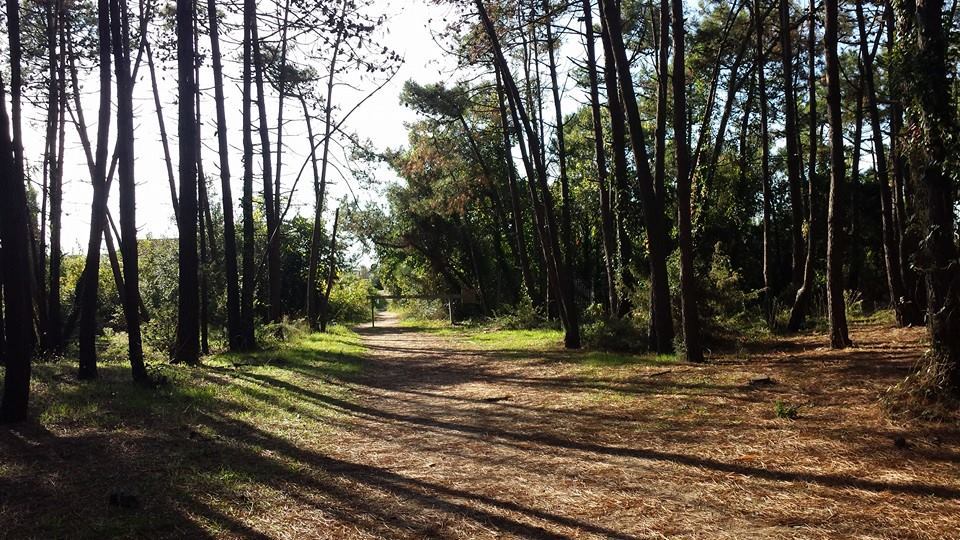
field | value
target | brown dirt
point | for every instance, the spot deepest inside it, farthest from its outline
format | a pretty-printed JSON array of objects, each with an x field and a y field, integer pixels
[{"x": 440, "y": 439}]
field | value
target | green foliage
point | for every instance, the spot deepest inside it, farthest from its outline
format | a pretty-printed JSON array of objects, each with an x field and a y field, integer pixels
[
  {"x": 522, "y": 316},
  {"x": 615, "y": 335},
  {"x": 785, "y": 410},
  {"x": 350, "y": 299}
]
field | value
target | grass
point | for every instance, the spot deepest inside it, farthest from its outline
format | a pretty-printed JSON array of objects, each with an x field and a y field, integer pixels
[{"x": 192, "y": 447}]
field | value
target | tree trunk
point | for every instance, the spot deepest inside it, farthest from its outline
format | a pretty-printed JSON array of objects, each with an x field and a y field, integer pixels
[
  {"x": 688, "y": 281},
  {"x": 618, "y": 139},
  {"x": 15, "y": 271},
  {"x": 936, "y": 194},
  {"x": 565, "y": 231},
  {"x": 802, "y": 299},
  {"x": 793, "y": 149},
  {"x": 607, "y": 226},
  {"x": 320, "y": 186},
  {"x": 331, "y": 274},
  {"x": 168, "y": 160},
  {"x": 248, "y": 338},
  {"x": 657, "y": 244},
  {"x": 187, "y": 348},
  {"x": 98, "y": 213},
  {"x": 119, "y": 27},
  {"x": 234, "y": 332},
  {"x": 523, "y": 260},
  {"x": 836, "y": 237},
  {"x": 906, "y": 311},
  {"x": 555, "y": 261},
  {"x": 274, "y": 303}
]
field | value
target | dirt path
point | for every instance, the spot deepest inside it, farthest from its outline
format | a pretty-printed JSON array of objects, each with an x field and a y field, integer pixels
[{"x": 445, "y": 440}]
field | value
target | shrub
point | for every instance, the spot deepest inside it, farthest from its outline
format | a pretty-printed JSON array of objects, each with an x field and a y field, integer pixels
[
  {"x": 350, "y": 299},
  {"x": 523, "y": 316},
  {"x": 785, "y": 410},
  {"x": 620, "y": 335}
]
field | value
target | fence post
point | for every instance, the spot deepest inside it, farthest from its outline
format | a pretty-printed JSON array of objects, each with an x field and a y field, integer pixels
[
  {"x": 450, "y": 309},
  {"x": 373, "y": 313}
]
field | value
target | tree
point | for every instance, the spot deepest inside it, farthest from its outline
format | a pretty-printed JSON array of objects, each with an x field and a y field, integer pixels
[
  {"x": 98, "y": 212},
  {"x": 661, "y": 335},
  {"x": 15, "y": 272},
  {"x": 234, "y": 327},
  {"x": 187, "y": 348},
  {"x": 688, "y": 283},
  {"x": 836, "y": 306},
  {"x": 119, "y": 29},
  {"x": 923, "y": 70}
]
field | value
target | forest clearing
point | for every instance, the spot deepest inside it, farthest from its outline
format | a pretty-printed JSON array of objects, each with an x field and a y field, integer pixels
[
  {"x": 403, "y": 431},
  {"x": 460, "y": 269}
]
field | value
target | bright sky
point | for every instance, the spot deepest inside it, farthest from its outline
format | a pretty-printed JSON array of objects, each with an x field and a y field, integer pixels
[{"x": 380, "y": 119}]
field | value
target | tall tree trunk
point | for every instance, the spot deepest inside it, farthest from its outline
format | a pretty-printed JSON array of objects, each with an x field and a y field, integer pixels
[
  {"x": 98, "y": 212},
  {"x": 282, "y": 92},
  {"x": 164, "y": 144},
  {"x": 937, "y": 258},
  {"x": 565, "y": 231},
  {"x": 906, "y": 311},
  {"x": 331, "y": 273},
  {"x": 15, "y": 272},
  {"x": 555, "y": 261},
  {"x": 320, "y": 185},
  {"x": 57, "y": 101},
  {"x": 802, "y": 299},
  {"x": 187, "y": 348},
  {"x": 274, "y": 302},
  {"x": 523, "y": 259},
  {"x": 248, "y": 338},
  {"x": 119, "y": 27},
  {"x": 657, "y": 243},
  {"x": 607, "y": 227},
  {"x": 688, "y": 281},
  {"x": 234, "y": 332},
  {"x": 793, "y": 149},
  {"x": 836, "y": 306},
  {"x": 618, "y": 139},
  {"x": 761, "y": 67}
]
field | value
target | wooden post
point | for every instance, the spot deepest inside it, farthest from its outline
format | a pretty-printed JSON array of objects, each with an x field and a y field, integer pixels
[
  {"x": 450, "y": 309},
  {"x": 373, "y": 312}
]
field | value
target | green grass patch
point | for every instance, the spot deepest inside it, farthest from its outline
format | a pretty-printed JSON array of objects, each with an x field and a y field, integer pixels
[{"x": 206, "y": 436}]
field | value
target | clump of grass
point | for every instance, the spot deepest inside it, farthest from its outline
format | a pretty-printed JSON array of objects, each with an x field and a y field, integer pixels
[
  {"x": 785, "y": 410},
  {"x": 926, "y": 394}
]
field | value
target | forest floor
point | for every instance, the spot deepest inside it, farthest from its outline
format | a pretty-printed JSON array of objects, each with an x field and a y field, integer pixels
[{"x": 409, "y": 432}]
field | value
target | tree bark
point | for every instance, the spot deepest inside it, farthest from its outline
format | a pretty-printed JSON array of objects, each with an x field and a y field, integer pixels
[
  {"x": 320, "y": 184},
  {"x": 234, "y": 332},
  {"x": 793, "y": 149},
  {"x": 119, "y": 27},
  {"x": 836, "y": 236},
  {"x": 688, "y": 281},
  {"x": 247, "y": 333},
  {"x": 556, "y": 264},
  {"x": 98, "y": 212},
  {"x": 937, "y": 259},
  {"x": 607, "y": 226},
  {"x": 15, "y": 272},
  {"x": 187, "y": 348},
  {"x": 274, "y": 302},
  {"x": 661, "y": 336},
  {"x": 523, "y": 259}
]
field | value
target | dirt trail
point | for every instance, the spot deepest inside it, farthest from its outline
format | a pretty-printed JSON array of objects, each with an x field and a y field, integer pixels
[{"x": 444, "y": 440}]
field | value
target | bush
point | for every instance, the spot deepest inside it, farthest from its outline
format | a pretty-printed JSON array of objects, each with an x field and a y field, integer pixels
[
  {"x": 523, "y": 316},
  {"x": 350, "y": 299},
  {"x": 621, "y": 335},
  {"x": 785, "y": 410}
]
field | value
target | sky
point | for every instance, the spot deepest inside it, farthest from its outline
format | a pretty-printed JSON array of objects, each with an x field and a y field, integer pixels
[{"x": 381, "y": 119}]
